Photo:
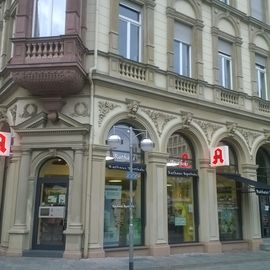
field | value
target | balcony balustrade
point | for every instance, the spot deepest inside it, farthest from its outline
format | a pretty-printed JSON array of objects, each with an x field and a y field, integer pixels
[{"x": 49, "y": 67}]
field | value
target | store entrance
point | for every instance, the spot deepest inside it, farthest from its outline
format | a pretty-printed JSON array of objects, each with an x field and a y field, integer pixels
[
  {"x": 265, "y": 216},
  {"x": 50, "y": 216},
  {"x": 50, "y": 213}
]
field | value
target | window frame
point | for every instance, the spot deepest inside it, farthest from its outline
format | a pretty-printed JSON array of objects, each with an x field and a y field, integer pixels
[
  {"x": 225, "y": 57},
  {"x": 35, "y": 20},
  {"x": 129, "y": 23},
  {"x": 180, "y": 60},
  {"x": 261, "y": 70}
]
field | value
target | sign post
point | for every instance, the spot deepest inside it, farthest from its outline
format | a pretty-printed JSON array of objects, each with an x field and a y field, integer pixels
[{"x": 5, "y": 143}]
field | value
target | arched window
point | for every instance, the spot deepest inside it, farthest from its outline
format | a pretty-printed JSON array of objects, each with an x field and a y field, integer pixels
[{"x": 181, "y": 191}]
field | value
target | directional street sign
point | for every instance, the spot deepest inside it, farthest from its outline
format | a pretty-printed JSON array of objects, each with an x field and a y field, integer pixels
[{"x": 132, "y": 175}]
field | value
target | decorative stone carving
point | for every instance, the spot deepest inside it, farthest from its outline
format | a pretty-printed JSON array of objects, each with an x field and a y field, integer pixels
[
  {"x": 160, "y": 119},
  {"x": 186, "y": 119},
  {"x": 13, "y": 112},
  {"x": 231, "y": 127},
  {"x": 249, "y": 136},
  {"x": 132, "y": 106},
  {"x": 29, "y": 110},
  {"x": 104, "y": 108},
  {"x": 80, "y": 109},
  {"x": 208, "y": 128},
  {"x": 3, "y": 116}
]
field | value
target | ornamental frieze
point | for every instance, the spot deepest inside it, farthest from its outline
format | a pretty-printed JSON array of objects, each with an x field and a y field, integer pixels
[
  {"x": 13, "y": 112},
  {"x": 249, "y": 136},
  {"x": 80, "y": 109},
  {"x": 29, "y": 110},
  {"x": 208, "y": 128},
  {"x": 160, "y": 119},
  {"x": 132, "y": 106},
  {"x": 104, "y": 108}
]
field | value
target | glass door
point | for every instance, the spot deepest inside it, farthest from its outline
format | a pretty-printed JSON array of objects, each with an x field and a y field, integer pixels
[
  {"x": 265, "y": 216},
  {"x": 50, "y": 213}
]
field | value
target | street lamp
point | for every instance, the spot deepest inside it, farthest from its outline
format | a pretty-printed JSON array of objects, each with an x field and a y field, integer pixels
[{"x": 146, "y": 145}]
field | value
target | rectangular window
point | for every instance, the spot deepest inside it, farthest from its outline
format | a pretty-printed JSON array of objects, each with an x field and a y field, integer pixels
[
  {"x": 129, "y": 32},
  {"x": 261, "y": 77},
  {"x": 182, "y": 49},
  {"x": 225, "y": 1},
  {"x": 257, "y": 9},
  {"x": 50, "y": 17},
  {"x": 225, "y": 64}
]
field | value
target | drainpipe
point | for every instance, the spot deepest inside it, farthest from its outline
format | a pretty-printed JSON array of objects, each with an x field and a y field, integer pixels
[{"x": 91, "y": 138}]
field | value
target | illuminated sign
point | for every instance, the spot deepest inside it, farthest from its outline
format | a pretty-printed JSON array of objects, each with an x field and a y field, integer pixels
[
  {"x": 184, "y": 161},
  {"x": 220, "y": 156},
  {"x": 5, "y": 142}
]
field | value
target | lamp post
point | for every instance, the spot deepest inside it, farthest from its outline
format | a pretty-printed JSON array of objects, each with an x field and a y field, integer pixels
[{"x": 146, "y": 145}]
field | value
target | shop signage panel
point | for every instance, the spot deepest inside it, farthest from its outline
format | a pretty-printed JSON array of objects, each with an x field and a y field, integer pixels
[
  {"x": 219, "y": 156},
  {"x": 124, "y": 166},
  {"x": 5, "y": 143},
  {"x": 182, "y": 172},
  {"x": 262, "y": 191}
]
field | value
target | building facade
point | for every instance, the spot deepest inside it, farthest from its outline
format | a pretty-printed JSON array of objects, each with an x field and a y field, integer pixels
[{"x": 190, "y": 75}]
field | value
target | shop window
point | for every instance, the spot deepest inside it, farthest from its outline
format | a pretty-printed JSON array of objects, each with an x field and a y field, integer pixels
[
  {"x": 116, "y": 211},
  {"x": 263, "y": 176},
  {"x": 229, "y": 202},
  {"x": 130, "y": 31},
  {"x": 50, "y": 16},
  {"x": 181, "y": 190}
]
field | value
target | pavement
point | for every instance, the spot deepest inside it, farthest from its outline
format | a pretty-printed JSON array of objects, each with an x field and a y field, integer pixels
[{"x": 259, "y": 260}]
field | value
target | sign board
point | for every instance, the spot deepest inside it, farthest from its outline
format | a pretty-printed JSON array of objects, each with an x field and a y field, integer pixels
[
  {"x": 5, "y": 142},
  {"x": 219, "y": 156},
  {"x": 132, "y": 175}
]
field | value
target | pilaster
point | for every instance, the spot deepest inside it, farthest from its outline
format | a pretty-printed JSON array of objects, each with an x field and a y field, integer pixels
[
  {"x": 19, "y": 230},
  {"x": 251, "y": 210},
  {"x": 209, "y": 231},
  {"x": 156, "y": 204},
  {"x": 74, "y": 229},
  {"x": 97, "y": 201}
]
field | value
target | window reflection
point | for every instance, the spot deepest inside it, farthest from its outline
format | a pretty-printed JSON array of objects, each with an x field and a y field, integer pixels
[{"x": 50, "y": 18}]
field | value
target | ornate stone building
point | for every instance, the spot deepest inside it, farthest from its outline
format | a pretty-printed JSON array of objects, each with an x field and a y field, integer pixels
[{"x": 191, "y": 74}]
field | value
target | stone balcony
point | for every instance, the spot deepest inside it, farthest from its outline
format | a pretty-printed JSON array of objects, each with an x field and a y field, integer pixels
[{"x": 50, "y": 66}]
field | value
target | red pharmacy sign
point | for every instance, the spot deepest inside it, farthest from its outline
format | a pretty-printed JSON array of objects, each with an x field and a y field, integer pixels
[
  {"x": 220, "y": 156},
  {"x": 5, "y": 142}
]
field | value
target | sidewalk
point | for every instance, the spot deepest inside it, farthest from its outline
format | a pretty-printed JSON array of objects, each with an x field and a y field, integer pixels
[{"x": 223, "y": 261}]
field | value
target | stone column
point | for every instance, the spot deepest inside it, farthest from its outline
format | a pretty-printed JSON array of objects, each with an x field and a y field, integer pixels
[
  {"x": 113, "y": 34},
  {"x": 149, "y": 33},
  {"x": 209, "y": 231},
  {"x": 97, "y": 202},
  {"x": 238, "y": 65},
  {"x": 74, "y": 229},
  {"x": 197, "y": 39},
  {"x": 2, "y": 179},
  {"x": 251, "y": 210},
  {"x": 19, "y": 230},
  {"x": 156, "y": 230},
  {"x": 23, "y": 19},
  {"x": 73, "y": 17}
]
